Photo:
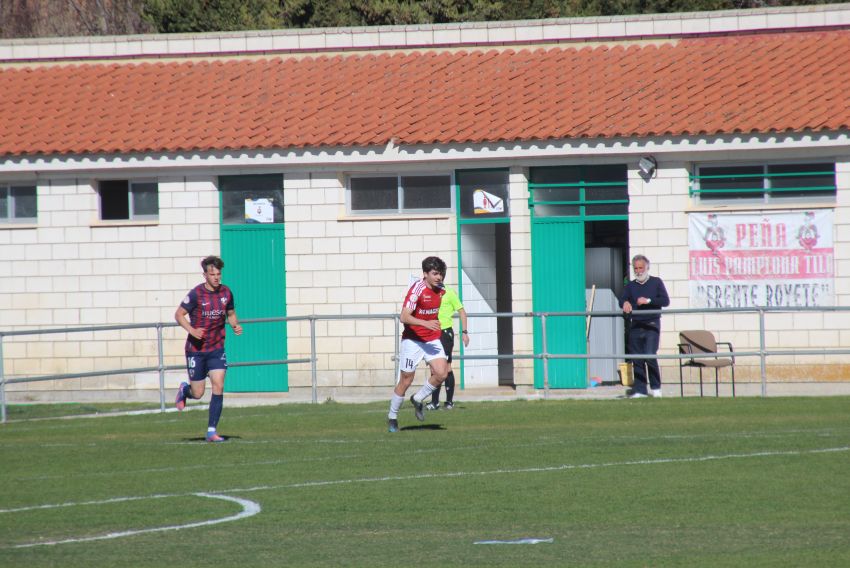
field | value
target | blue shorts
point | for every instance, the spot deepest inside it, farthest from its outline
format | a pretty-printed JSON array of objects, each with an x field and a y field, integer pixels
[{"x": 199, "y": 364}]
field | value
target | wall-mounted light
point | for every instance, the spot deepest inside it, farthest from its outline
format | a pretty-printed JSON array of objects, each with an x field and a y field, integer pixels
[{"x": 647, "y": 166}]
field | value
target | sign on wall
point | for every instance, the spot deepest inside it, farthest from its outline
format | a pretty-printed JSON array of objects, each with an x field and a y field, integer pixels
[{"x": 768, "y": 259}]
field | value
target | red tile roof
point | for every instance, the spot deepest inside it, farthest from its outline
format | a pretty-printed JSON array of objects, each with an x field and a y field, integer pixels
[{"x": 776, "y": 82}]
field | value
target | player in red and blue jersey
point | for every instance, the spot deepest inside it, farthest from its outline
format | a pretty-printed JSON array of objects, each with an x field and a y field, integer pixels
[
  {"x": 208, "y": 305},
  {"x": 420, "y": 339}
]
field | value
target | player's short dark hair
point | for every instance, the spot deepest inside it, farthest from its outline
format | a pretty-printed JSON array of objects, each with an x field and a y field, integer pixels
[
  {"x": 212, "y": 260},
  {"x": 434, "y": 263}
]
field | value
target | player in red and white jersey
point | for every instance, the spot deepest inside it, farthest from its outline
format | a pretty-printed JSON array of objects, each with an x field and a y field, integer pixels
[{"x": 420, "y": 339}]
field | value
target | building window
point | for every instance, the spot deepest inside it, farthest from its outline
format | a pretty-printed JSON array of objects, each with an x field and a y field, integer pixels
[
  {"x": 251, "y": 199},
  {"x": 595, "y": 193},
  {"x": 761, "y": 184},
  {"x": 18, "y": 203},
  {"x": 400, "y": 194},
  {"x": 122, "y": 200}
]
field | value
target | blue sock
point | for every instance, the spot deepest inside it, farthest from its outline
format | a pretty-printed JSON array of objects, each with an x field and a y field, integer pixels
[
  {"x": 216, "y": 404},
  {"x": 187, "y": 391}
]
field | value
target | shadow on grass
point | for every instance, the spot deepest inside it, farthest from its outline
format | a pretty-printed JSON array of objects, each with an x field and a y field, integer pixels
[
  {"x": 204, "y": 439},
  {"x": 424, "y": 427}
]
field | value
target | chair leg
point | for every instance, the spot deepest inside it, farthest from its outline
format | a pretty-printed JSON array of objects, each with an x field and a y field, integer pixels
[
  {"x": 733, "y": 380},
  {"x": 681, "y": 383},
  {"x": 717, "y": 382},
  {"x": 700, "y": 382}
]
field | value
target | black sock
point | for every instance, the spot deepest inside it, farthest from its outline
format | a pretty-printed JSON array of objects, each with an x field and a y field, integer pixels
[{"x": 450, "y": 386}]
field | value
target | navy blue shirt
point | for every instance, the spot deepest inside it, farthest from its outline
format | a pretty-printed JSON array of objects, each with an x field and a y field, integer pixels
[
  {"x": 208, "y": 310},
  {"x": 654, "y": 290}
]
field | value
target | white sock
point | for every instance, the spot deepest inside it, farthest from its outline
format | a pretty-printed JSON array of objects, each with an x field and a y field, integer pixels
[
  {"x": 395, "y": 404},
  {"x": 424, "y": 392},
  {"x": 210, "y": 430}
]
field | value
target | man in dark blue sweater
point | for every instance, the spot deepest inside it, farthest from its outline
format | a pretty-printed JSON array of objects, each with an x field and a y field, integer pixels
[{"x": 644, "y": 293}]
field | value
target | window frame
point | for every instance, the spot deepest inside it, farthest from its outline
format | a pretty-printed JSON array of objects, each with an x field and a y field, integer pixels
[
  {"x": 132, "y": 216},
  {"x": 400, "y": 210},
  {"x": 10, "y": 218},
  {"x": 768, "y": 195}
]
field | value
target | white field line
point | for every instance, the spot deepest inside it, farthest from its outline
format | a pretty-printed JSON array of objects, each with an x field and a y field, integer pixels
[
  {"x": 545, "y": 441},
  {"x": 249, "y": 509},
  {"x": 457, "y": 474}
]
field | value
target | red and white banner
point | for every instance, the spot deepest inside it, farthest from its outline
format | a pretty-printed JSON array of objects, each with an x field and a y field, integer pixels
[{"x": 768, "y": 259}]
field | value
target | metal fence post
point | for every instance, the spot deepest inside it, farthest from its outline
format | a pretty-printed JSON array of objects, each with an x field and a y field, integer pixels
[
  {"x": 161, "y": 355},
  {"x": 762, "y": 356},
  {"x": 545, "y": 356},
  {"x": 2, "y": 385},
  {"x": 313, "y": 359},
  {"x": 397, "y": 321}
]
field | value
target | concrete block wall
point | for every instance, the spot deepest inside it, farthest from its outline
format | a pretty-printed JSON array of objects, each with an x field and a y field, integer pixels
[
  {"x": 73, "y": 270},
  {"x": 523, "y": 328},
  {"x": 342, "y": 265}
]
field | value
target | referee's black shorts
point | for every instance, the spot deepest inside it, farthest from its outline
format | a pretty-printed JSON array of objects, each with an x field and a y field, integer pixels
[{"x": 447, "y": 338}]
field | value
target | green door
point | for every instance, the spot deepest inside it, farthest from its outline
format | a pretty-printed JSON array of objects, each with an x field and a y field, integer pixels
[
  {"x": 557, "y": 269},
  {"x": 252, "y": 247}
]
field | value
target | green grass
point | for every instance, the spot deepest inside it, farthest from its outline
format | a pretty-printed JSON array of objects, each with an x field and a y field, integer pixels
[
  {"x": 728, "y": 482},
  {"x": 34, "y": 411}
]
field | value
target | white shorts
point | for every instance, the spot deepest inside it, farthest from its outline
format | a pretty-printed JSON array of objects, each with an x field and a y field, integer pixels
[{"x": 413, "y": 351}]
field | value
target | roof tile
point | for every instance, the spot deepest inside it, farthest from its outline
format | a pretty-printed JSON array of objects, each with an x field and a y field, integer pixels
[{"x": 792, "y": 81}]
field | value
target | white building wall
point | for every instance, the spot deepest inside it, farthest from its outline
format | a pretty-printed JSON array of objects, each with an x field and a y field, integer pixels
[
  {"x": 72, "y": 270},
  {"x": 523, "y": 328},
  {"x": 339, "y": 265},
  {"x": 658, "y": 228}
]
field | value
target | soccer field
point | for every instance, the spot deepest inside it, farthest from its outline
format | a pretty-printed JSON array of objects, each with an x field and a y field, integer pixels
[{"x": 672, "y": 482}]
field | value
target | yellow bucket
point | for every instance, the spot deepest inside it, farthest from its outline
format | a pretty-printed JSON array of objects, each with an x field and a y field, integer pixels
[{"x": 627, "y": 374}]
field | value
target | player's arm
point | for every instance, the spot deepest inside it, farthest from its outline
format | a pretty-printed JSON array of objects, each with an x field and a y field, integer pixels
[
  {"x": 180, "y": 316},
  {"x": 463, "y": 326},
  {"x": 234, "y": 322},
  {"x": 408, "y": 319}
]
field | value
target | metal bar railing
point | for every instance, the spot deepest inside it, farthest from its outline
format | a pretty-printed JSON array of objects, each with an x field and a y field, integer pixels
[{"x": 762, "y": 353}]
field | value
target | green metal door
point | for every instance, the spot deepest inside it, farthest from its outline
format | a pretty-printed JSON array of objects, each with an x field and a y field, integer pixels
[
  {"x": 254, "y": 257},
  {"x": 557, "y": 268}
]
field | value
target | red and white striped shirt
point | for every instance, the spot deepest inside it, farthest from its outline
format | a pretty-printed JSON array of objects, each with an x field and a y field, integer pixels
[{"x": 424, "y": 303}]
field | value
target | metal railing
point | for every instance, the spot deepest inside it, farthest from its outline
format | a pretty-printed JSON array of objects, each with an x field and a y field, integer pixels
[{"x": 762, "y": 352}]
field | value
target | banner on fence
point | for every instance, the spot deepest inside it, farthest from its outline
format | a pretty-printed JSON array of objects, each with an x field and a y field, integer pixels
[{"x": 743, "y": 260}]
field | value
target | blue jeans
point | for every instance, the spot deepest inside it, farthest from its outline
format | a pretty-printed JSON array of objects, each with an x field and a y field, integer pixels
[{"x": 644, "y": 341}]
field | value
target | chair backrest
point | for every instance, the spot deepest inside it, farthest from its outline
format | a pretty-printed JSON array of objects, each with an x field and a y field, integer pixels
[{"x": 699, "y": 340}]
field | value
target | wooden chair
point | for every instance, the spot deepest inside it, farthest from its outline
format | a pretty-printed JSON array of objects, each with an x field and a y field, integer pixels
[{"x": 699, "y": 342}]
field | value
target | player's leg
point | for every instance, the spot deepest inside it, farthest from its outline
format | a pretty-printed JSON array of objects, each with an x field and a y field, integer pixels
[
  {"x": 448, "y": 340},
  {"x": 435, "y": 400},
  {"x": 436, "y": 359},
  {"x": 449, "y": 383},
  {"x": 410, "y": 354},
  {"x": 217, "y": 369},
  {"x": 197, "y": 371}
]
